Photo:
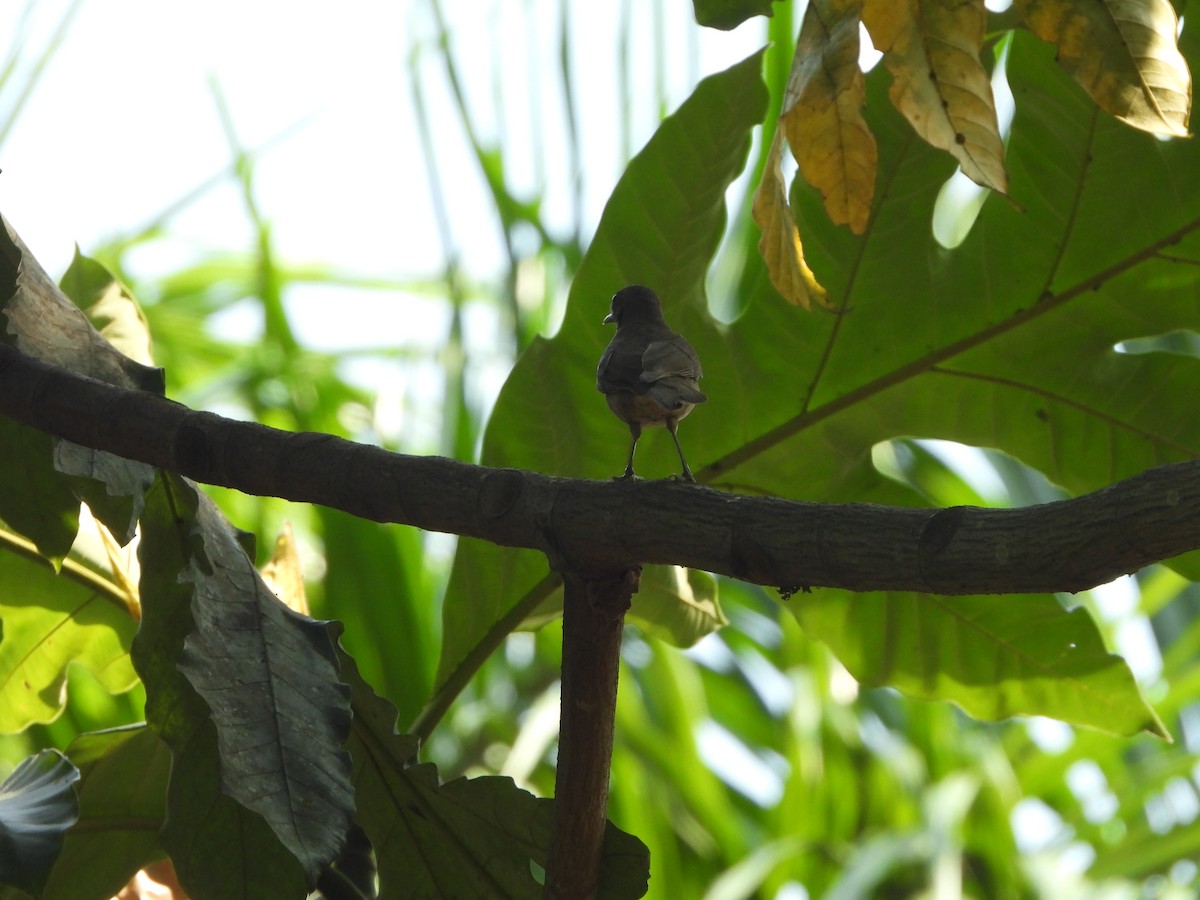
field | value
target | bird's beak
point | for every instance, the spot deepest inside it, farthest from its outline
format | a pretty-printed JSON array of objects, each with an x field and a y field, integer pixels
[{"x": 609, "y": 319}]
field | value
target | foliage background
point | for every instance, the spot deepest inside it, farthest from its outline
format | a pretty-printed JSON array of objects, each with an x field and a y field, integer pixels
[{"x": 752, "y": 762}]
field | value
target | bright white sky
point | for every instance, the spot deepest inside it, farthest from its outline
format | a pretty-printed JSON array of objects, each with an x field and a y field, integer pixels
[{"x": 124, "y": 121}]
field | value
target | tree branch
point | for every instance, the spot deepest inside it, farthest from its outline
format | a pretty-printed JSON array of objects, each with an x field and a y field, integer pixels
[
  {"x": 598, "y": 526},
  {"x": 593, "y": 613}
]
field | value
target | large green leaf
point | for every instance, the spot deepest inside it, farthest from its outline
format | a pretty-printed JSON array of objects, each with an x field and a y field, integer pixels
[
  {"x": 729, "y": 14},
  {"x": 994, "y": 656},
  {"x": 1020, "y": 359},
  {"x": 375, "y": 585},
  {"x": 660, "y": 227},
  {"x": 49, "y": 622},
  {"x": 36, "y": 501},
  {"x": 111, "y": 486},
  {"x": 122, "y": 802},
  {"x": 1007, "y": 341},
  {"x": 219, "y": 847},
  {"x": 269, "y": 676},
  {"x": 43, "y": 322},
  {"x": 471, "y": 837}
]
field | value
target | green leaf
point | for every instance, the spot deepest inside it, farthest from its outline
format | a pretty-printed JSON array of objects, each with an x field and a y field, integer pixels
[
  {"x": 994, "y": 656},
  {"x": 661, "y": 227},
  {"x": 950, "y": 344},
  {"x": 112, "y": 310},
  {"x": 37, "y": 806},
  {"x": 49, "y": 622},
  {"x": 122, "y": 804},
  {"x": 36, "y": 501},
  {"x": 219, "y": 847},
  {"x": 729, "y": 14},
  {"x": 677, "y": 604},
  {"x": 112, "y": 487},
  {"x": 467, "y": 838},
  {"x": 928, "y": 342},
  {"x": 362, "y": 557},
  {"x": 939, "y": 343},
  {"x": 43, "y": 323},
  {"x": 270, "y": 678}
]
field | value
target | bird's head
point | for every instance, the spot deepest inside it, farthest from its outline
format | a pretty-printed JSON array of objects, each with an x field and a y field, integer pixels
[{"x": 634, "y": 303}]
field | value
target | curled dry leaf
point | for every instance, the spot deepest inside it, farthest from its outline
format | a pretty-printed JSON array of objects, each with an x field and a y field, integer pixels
[
  {"x": 822, "y": 112},
  {"x": 780, "y": 242},
  {"x": 283, "y": 573},
  {"x": 931, "y": 47},
  {"x": 1125, "y": 55}
]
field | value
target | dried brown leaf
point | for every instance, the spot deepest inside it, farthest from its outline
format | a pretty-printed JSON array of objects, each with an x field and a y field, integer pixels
[
  {"x": 931, "y": 47},
  {"x": 780, "y": 242},
  {"x": 822, "y": 112},
  {"x": 1124, "y": 54},
  {"x": 282, "y": 571}
]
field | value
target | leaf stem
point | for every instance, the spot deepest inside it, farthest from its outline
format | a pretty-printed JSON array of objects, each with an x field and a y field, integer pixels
[{"x": 446, "y": 693}]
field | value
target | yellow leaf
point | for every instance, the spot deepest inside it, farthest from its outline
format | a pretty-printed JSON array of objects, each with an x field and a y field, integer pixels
[
  {"x": 282, "y": 571},
  {"x": 931, "y": 47},
  {"x": 1123, "y": 53},
  {"x": 780, "y": 242},
  {"x": 822, "y": 115}
]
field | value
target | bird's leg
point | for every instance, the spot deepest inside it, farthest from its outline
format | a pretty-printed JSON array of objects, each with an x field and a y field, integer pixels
[
  {"x": 672, "y": 426},
  {"x": 635, "y": 431}
]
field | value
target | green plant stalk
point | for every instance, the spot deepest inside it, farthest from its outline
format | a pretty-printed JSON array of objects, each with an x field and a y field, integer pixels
[
  {"x": 446, "y": 693},
  {"x": 77, "y": 572},
  {"x": 39, "y": 67}
]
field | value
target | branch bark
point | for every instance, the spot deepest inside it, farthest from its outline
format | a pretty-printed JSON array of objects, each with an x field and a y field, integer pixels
[
  {"x": 598, "y": 526},
  {"x": 593, "y": 614}
]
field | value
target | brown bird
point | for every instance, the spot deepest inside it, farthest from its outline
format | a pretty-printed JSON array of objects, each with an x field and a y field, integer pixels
[{"x": 648, "y": 373}]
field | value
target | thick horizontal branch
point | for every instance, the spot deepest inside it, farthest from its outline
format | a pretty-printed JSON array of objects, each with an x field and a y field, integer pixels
[{"x": 601, "y": 526}]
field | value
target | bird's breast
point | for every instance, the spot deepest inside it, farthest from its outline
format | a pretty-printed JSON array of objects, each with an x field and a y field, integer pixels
[{"x": 644, "y": 409}]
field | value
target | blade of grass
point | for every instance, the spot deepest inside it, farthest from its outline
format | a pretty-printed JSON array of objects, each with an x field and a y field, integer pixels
[{"x": 34, "y": 76}]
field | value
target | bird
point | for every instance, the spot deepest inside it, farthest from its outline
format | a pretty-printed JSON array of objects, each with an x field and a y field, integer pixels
[{"x": 648, "y": 374}]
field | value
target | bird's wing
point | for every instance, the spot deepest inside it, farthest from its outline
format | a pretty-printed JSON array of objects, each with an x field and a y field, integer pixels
[
  {"x": 619, "y": 369},
  {"x": 672, "y": 357}
]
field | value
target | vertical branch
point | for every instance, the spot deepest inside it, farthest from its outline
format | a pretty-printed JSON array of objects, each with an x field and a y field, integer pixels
[{"x": 593, "y": 614}]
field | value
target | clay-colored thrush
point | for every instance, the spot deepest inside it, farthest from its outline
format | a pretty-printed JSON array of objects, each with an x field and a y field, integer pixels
[{"x": 648, "y": 373}]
